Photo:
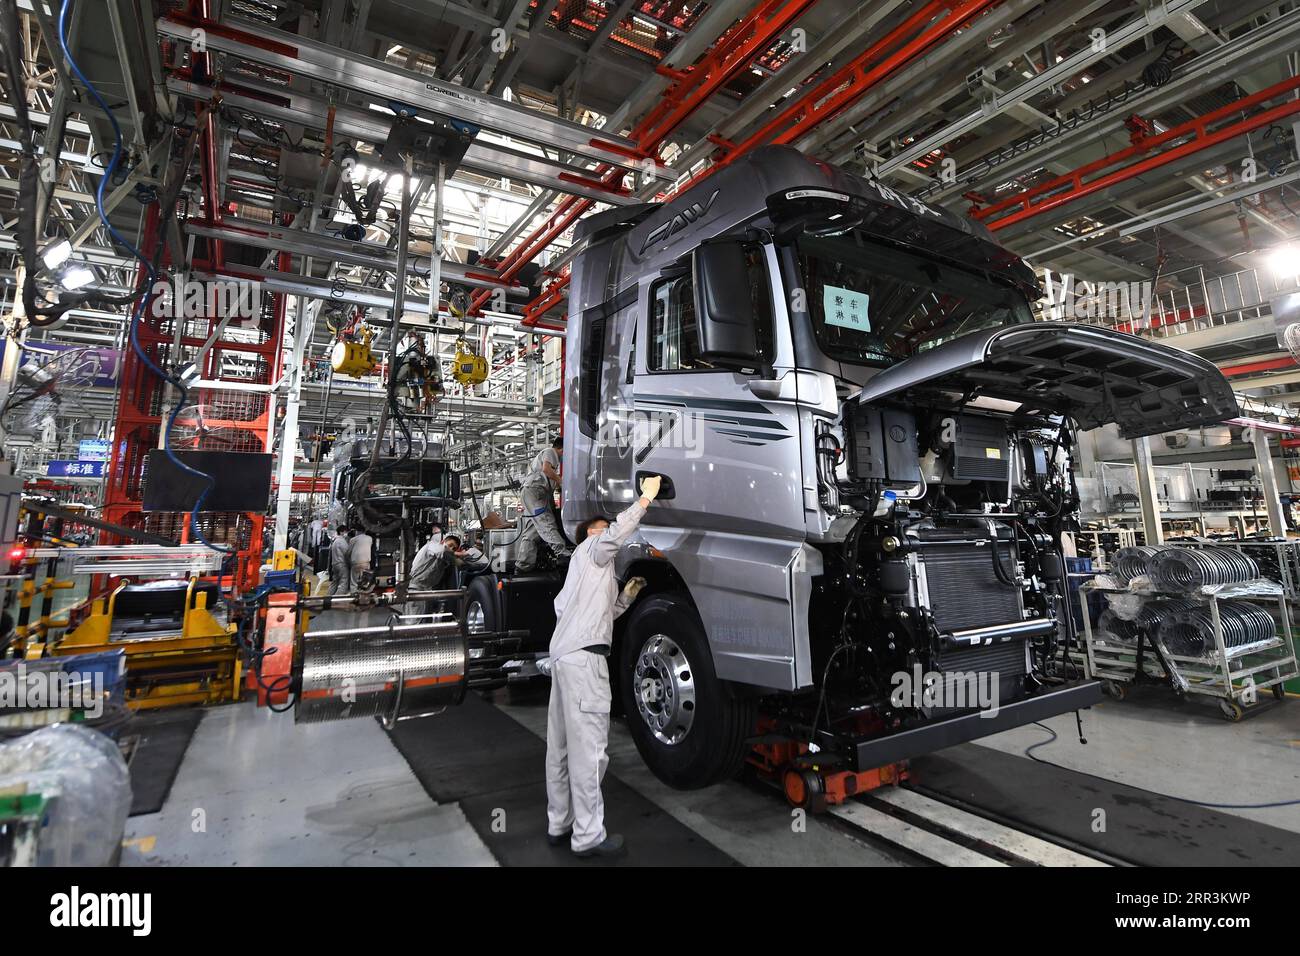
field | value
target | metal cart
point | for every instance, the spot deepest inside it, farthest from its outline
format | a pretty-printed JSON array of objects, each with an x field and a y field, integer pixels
[{"x": 1235, "y": 676}]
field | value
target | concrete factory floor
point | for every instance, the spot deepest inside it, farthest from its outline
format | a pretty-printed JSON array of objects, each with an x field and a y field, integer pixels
[{"x": 255, "y": 788}]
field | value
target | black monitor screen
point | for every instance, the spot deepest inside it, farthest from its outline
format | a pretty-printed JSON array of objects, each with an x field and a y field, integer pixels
[{"x": 243, "y": 481}]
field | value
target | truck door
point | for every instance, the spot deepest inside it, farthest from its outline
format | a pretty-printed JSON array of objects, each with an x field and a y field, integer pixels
[
  {"x": 598, "y": 451},
  {"x": 732, "y": 457},
  {"x": 734, "y": 524}
]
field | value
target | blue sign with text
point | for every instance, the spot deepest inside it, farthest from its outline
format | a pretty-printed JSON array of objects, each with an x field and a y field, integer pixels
[{"x": 75, "y": 469}]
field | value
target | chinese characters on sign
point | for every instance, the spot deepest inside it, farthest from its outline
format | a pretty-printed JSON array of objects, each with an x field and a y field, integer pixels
[
  {"x": 75, "y": 469},
  {"x": 846, "y": 308}
]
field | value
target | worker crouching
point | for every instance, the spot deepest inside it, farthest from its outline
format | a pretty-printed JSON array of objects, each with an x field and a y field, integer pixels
[{"x": 577, "y": 721}]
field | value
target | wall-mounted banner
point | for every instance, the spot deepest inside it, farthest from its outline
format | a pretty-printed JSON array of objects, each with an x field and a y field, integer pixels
[{"x": 90, "y": 366}]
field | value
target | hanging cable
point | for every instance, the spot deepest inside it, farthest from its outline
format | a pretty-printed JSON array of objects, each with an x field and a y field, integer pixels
[{"x": 145, "y": 295}]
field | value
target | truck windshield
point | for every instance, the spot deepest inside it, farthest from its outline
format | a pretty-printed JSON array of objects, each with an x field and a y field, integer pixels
[{"x": 872, "y": 304}]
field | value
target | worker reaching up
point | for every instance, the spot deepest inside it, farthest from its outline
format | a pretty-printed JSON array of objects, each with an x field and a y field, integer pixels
[
  {"x": 538, "y": 517},
  {"x": 577, "y": 721}
]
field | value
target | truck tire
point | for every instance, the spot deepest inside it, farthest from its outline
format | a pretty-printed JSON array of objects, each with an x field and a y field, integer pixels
[
  {"x": 481, "y": 605},
  {"x": 689, "y": 726}
]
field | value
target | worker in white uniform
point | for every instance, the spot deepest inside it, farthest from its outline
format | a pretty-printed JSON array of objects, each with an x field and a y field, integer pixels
[
  {"x": 341, "y": 562},
  {"x": 538, "y": 518},
  {"x": 432, "y": 562},
  {"x": 577, "y": 721},
  {"x": 361, "y": 554}
]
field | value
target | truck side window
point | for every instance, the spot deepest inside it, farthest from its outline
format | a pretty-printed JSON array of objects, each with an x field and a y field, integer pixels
[
  {"x": 674, "y": 340},
  {"x": 593, "y": 351}
]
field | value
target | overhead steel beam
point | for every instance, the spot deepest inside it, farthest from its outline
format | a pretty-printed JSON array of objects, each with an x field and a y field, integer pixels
[
  {"x": 897, "y": 107},
  {"x": 1245, "y": 52},
  {"x": 927, "y": 27},
  {"x": 500, "y": 71},
  {"x": 734, "y": 49},
  {"x": 1147, "y": 219},
  {"x": 883, "y": 115},
  {"x": 331, "y": 249},
  {"x": 487, "y": 159},
  {"x": 135, "y": 177},
  {"x": 1155, "y": 17},
  {"x": 345, "y": 292},
  {"x": 741, "y": 45},
  {"x": 607, "y": 26},
  {"x": 790, "y": 77},
  {"x": 388, "y": 84},
  {"x": 1071, "y": 187}
]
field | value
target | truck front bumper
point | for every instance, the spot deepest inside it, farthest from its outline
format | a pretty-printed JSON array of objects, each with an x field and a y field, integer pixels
[{"x": 870, "y": 752}]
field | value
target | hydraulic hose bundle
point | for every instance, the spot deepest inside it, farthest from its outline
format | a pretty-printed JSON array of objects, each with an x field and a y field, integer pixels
[{"x": 1190, "y": 632}]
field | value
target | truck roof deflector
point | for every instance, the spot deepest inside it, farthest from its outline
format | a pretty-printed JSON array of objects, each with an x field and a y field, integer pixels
[{"x": 1096, "y": 376}]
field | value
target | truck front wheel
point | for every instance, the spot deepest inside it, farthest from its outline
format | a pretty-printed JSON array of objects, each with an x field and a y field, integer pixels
[
  {"x": 687, "y": 724},
  {"x": 480, "y": 612}
]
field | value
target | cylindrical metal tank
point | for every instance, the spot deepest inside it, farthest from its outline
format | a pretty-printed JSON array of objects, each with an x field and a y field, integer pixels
[{"x": 393, "y": 672}]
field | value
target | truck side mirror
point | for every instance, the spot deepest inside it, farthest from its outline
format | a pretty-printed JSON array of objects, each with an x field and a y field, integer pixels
[{"x": 724, "y": 306}]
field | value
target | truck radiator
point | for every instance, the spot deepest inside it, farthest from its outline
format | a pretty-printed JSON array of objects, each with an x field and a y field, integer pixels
[
  {"x": 1006, "y": 659},
  {"x": 964, "y": 591}
]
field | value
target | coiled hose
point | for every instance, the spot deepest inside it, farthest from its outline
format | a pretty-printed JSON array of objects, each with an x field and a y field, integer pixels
[
  {"x": 1187, "y": 569},
  {"x": 1148, "y": 620},
  {"x": 1132, "y": 562},
  {"x": 1190, "y": 632}
]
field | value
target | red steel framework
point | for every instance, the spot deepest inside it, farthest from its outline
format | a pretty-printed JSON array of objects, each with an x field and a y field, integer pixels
[
  {"x": 1186, "y": 139},
  {"x": 244, "y": 355},
  {"x": 936, "y": 20},
  {"x": 1197, "y": 133}
]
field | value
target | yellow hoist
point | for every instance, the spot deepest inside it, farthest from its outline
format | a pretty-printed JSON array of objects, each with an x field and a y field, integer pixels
[{"x": 469, "y": 368}]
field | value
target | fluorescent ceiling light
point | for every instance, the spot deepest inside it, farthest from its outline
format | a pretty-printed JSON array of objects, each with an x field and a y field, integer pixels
[
  {"x": 57, "y": 254},
  {"x": 1284, "y": 261},
  {"x": 77, "y": 277}
]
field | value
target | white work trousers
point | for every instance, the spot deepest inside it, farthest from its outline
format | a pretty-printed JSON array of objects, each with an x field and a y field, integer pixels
[
  {"x": 577, "y": 732},
  {"x": 340, "y": 577}
]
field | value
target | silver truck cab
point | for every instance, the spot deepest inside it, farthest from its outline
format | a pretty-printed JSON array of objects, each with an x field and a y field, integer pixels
[{"x": 865, "y": 440}]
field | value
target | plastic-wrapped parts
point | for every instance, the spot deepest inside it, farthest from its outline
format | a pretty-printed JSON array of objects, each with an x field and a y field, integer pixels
[
  {"x": 1187, "y": 569},
  {"x": 1125, "y": 628},
  {"x": 1153, "y": 612},
  {"x": 1129, "y": 563},
  {"x": 1112, "y": 627},
  {"x": 84, "y": 775},
  {"x": 1190, "y": 632}
]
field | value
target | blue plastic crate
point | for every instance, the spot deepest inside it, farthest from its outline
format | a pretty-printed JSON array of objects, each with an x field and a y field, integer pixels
[{"x": 110, "y": 664}]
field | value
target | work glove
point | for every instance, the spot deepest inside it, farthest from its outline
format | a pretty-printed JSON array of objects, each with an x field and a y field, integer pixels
[
  {"x": 633, "y": 588},
  {"x": 544, "y": 666},
  {"x": 650, "y": 487}
]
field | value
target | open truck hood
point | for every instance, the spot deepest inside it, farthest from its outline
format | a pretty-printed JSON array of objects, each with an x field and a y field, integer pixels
[{"x": 1096, "y": 376}]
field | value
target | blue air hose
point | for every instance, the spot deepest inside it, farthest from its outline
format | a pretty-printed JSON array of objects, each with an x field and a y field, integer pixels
[{"x": 141, "y": 304}]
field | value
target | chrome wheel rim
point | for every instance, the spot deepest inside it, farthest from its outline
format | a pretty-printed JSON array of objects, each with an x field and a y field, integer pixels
[
  {"x": 664, "y": 687},
  {"x": 474, "y": 617}
]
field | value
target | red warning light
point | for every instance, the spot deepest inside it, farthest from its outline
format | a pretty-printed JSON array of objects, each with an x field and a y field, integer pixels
[{"x": 17, "y": 554}]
